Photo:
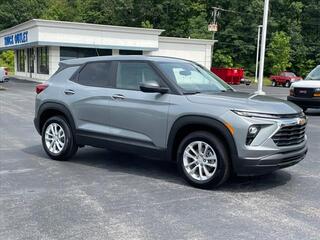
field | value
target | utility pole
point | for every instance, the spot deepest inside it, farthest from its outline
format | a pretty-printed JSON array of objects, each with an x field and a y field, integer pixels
[
  {"x": 258, "y": 51},
  {"x": 213, "y": 25},
  {"x": 263, "y": 47}
]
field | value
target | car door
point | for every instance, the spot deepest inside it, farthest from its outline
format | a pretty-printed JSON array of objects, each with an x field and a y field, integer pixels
[
  {"x": 89, "y": 95},
  {"x": 137, "y": 117},
  {"x": 283, "y": 77}
]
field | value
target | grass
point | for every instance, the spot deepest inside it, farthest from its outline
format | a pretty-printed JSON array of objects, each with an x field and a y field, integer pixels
[{"x": 266, "y": 81}]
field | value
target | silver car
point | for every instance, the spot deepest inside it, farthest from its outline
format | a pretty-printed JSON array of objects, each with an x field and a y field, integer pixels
[{"x": 167, "y": 108}]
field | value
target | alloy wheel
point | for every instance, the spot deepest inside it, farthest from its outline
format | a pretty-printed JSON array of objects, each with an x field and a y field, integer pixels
[
  {"x": 55, "y": 138},
  {"x": 200, "y": 161}
]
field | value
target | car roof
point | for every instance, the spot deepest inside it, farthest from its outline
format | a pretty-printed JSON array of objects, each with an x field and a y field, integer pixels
[{"x": 79, "y": 61}]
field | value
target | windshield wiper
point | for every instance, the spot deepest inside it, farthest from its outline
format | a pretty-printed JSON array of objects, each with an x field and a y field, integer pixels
[
  {"x": 227, "y": 90},
  {"x": 191, "y": 92}
]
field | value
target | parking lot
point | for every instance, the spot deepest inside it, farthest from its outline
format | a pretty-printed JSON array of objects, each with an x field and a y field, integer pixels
[{"x": 105, "y": 195}]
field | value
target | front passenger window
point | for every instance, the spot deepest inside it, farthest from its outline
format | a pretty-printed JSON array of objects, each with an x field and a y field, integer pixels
[{"x": 131, "y": 74}]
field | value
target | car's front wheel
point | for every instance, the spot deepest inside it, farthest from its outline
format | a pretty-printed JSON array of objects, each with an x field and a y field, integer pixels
[
  {"x": 287, "y": 84},
  {"x": 203, "y": 160},
  {"x": 274, "y": 83},
  {"x": 57, "y": 139}
]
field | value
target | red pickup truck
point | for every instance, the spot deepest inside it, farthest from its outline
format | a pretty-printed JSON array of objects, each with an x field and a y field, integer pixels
[{"x": 285, "y": 79}]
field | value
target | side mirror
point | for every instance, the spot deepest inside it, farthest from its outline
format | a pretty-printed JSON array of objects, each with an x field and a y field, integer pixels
[{"x": 153, "y": 88}]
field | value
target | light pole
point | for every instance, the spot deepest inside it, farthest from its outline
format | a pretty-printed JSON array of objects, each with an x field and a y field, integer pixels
[
  {"x": 257, "y": 58},
  {"x": 263, "y": 47}
]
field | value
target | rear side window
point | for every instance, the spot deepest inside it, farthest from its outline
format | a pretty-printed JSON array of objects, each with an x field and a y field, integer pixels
[{"x": 96, "y": 74}]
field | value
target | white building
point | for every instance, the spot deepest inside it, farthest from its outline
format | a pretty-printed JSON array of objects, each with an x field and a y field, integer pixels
[{"x": 39, "y": 45}]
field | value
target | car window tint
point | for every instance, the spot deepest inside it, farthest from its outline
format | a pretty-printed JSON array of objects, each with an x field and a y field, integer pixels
[
  {"x": 96, "y": 74},
  {"x": 131, "y": 74}
]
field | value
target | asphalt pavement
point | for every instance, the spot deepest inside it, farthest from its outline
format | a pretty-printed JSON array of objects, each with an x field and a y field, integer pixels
[{"x": 106, "y": 195}]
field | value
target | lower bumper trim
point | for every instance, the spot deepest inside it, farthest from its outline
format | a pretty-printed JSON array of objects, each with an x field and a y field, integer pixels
[{"x": 252, "y": 167}]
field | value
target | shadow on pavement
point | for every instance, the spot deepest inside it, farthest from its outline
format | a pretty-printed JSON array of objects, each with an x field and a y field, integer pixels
[{"x": 163, "y": 170}]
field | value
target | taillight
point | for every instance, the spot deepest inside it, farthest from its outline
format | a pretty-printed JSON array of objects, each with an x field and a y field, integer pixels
[
  {"x": 6, "y": 72},
  {"x": 41, "y": 87}
]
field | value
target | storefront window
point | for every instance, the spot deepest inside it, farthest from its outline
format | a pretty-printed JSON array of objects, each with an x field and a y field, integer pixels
[
  {"x": 130, "y": 52},
  {"x": 20, "y": 60},
  {"x": 43, "y": 60},
  {"x": 73, "y": 52}
]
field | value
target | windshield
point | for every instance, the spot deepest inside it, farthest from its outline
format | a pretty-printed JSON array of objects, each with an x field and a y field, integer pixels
[
  {"x": 314, "y": 74},
  {"x": 192, "y": 78},
  {"x": 290, "y": 74}
]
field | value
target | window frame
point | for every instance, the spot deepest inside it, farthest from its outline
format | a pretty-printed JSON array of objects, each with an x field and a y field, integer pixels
[{"x": 76, "y": 75}]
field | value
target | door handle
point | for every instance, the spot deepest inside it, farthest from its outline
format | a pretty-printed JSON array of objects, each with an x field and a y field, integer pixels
[
  {"x": 118, "y": 97},
  {"x": 69, "y": 92}
]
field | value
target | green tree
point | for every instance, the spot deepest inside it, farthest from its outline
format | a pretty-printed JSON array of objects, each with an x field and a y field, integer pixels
[
  {"x": 7, "y": 60},
  {"x": 279, "y": 52},
  {"x": 222, "y": 59},
  {"x": 198, "y": 24},
  {"x": 17, "y": 11},
  {"x": 62, "y": 10},
  {"x": 146, "y": 24}
]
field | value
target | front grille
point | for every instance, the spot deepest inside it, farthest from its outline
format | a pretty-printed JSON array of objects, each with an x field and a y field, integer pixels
[
  {"x": 304, "y": 92},
  {"x": 290, "y": 135}
]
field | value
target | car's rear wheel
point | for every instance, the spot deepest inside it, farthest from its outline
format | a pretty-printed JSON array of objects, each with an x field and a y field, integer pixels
[
  {"x": 203, "y": 160},
  {"x": 57, "y": 139},
  {"x": 274, "y": 83}
]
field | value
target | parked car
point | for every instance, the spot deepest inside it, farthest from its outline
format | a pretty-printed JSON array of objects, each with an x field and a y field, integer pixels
[
  {"x": 245, "y": 81},
  {"x": 306, "y": 94},
  {"x": 284, "y": 78},
  {"x": 167, "y": 108},
  {"x": 4, "y": 74}
]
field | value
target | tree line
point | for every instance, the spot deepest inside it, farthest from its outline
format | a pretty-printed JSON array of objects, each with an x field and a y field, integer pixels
[{"x": 293, "y": 40}]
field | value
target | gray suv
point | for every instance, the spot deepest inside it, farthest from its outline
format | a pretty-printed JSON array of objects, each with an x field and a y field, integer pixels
[{"x": 171, "y": 109}]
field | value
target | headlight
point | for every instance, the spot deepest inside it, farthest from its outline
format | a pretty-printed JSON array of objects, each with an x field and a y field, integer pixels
[
  {"x": 316, "y": 92},
  {"x": 256, "y": 114},
  {"x": 291, "y": 91}
]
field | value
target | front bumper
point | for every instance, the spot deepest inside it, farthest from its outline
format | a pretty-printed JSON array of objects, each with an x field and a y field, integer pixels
[
  {"x": 305, "y": 102},
  {"x": 264, "y": 165},
  {"x": 264, "y": 154}
]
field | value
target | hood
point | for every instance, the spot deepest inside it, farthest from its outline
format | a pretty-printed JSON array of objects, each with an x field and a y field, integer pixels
[
  {"x": 307, "y": 84},
  {"x": 245, "y": 101}
]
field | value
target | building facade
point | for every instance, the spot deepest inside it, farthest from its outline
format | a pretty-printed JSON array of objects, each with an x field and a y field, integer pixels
[{"x": 40, "y": 45}]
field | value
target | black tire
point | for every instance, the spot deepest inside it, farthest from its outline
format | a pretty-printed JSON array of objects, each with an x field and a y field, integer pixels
[
  {"x": 287, "y": 84},
  {"x": 274, "y": 83},
  {"x": 223, "y": 170},
  {"x": 69, "y": 148}
]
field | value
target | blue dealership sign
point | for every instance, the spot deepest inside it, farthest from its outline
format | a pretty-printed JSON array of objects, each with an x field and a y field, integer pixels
[{"x": 17, "y": 38}]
